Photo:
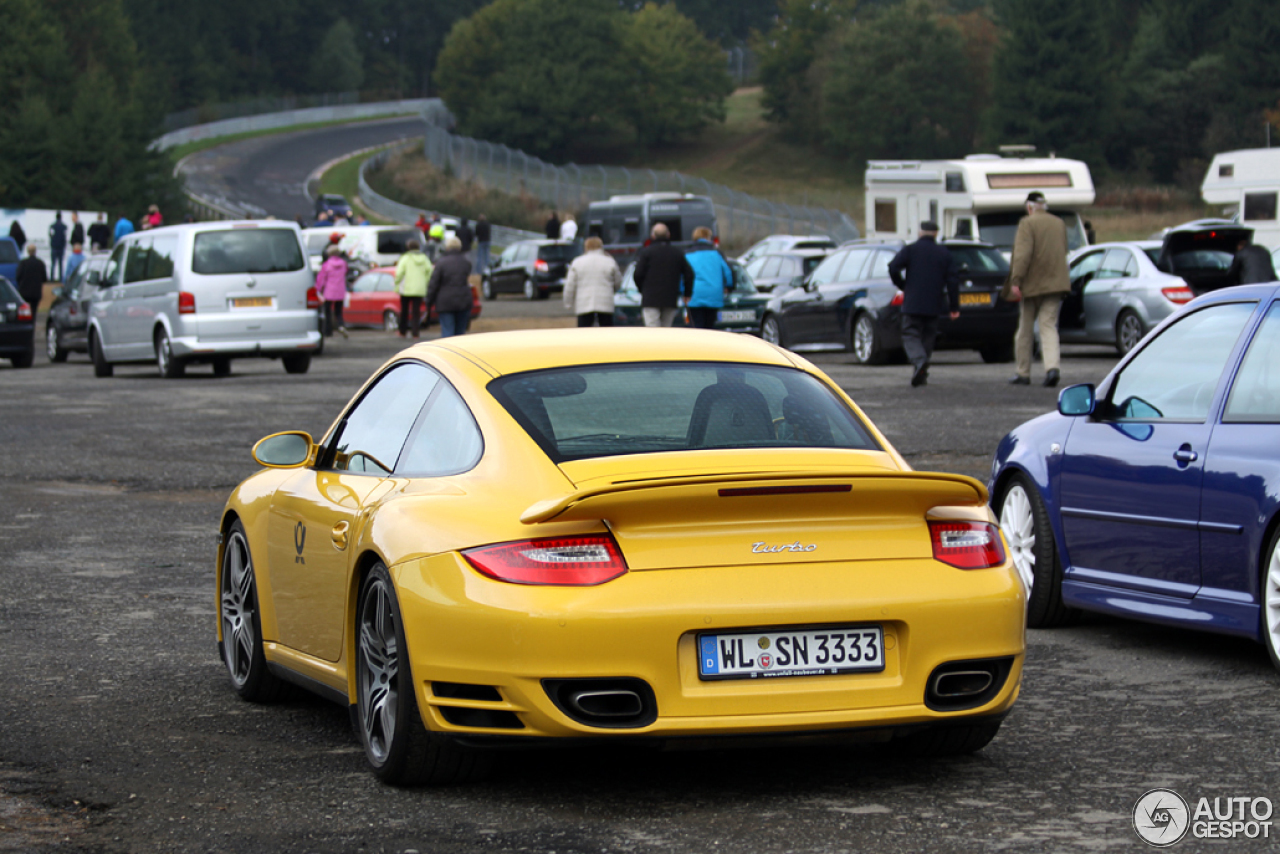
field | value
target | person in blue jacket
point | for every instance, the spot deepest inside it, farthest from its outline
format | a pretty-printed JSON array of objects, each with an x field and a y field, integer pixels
[
  {"x": 712, "y": 280},
  {"x": 123, "y": 227}
]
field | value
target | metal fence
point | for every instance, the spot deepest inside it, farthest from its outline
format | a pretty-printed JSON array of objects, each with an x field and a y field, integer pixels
[
  {"x": 254, "y": 107},
  {"x": 742, "y": 219}
]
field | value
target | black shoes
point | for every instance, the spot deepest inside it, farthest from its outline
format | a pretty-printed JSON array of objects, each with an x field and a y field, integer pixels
[
  {"x": 920, "y": 377},
  {"x": 1051, "y": 378},
  {"x": 1020, "y": 381}
]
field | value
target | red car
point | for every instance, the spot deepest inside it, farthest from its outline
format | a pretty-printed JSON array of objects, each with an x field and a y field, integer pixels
[{"x": 372, "y": 301}]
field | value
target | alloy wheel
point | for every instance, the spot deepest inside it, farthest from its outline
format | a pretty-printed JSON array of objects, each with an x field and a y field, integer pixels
[
  {"x": 379, "y": 664},
  {"x": 1017, "y": 521}
]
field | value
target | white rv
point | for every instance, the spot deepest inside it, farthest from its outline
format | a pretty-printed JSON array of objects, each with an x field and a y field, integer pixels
[
  {"x": 981, "y": 196},
  {"x": 1248, "y": 182}
]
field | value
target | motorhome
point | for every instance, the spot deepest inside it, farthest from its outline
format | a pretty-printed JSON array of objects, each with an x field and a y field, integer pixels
[
  {"x": 980, "y": 196},
  {"x": 624, "y": 222},
  {"x": 1247, "y": 184}
]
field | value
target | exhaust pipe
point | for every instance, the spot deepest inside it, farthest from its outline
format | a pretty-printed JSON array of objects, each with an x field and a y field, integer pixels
[
  {"x": 606, "y": 704},
  {"x": 617, "y": 702},
  {"x": 961, "y": 684}
]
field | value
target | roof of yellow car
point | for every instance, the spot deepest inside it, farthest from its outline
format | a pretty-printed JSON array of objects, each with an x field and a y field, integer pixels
[{"x": 536, "y": 349}]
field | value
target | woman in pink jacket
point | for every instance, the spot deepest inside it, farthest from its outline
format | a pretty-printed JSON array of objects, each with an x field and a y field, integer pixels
[{"x": 331, "y": 286}]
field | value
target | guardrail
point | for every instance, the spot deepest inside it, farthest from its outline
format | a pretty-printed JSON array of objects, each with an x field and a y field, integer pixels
[{"x": 311, "y": 115}]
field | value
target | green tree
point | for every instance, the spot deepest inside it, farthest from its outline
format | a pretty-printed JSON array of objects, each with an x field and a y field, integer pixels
[
  {"x": 1051, "y": 77},
  {"x": 884, "y": 92},
  {"x": 338, "y": 60},
  {"x": 679, "y": 77},
  {"x": 536, "y": 74},
  {"x": 786, "y": 55}
]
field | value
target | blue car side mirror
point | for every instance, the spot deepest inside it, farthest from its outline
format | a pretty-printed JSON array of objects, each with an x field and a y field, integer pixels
[{"x": 1077, "y": 400}]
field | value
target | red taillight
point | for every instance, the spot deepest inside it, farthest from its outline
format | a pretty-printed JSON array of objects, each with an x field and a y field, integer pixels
[
  {"x": 563, "y": 561},
  {"x": 24, "y": 312},
  {"x": 313, "y": 298},
  {"x": 967, "y": 545},
  {"x": 1178, "y": 295},
  {"x": 897, "y": 299},
  {"x": 540, "y": 265},
  {"x": 186, "y": 302},
  {"x": 716, "y": 240}
]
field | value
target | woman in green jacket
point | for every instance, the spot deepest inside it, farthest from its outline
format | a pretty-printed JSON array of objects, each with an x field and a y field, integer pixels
[{"x": 412, "y": 272}]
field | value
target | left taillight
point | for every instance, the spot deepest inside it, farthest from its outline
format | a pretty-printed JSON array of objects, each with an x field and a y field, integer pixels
[
  {"x": 186, "y": 302},
  {"x": 24, "y": 312},
  {"x": 313, "y": 298},
  {"x": 967, "y": 545},
  {"x": 898, "y": 299},
  {"x": 556, "y": 561}
]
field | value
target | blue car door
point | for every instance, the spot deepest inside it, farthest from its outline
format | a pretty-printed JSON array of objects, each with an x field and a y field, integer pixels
[{"x": 1130, "y": 479}]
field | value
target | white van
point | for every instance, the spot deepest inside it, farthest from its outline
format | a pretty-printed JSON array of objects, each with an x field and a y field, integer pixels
[
  {"x": 206, "y": 292},
  {"x": 982, "y": 196},
  {"x": 1248, "y": 183},
  {"x": 367, "y": 245}
]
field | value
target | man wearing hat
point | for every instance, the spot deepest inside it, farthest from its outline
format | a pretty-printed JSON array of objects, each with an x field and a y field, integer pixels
[
  {"x": 930, "y": 287},
  {"x": 1038, "y": 277}
]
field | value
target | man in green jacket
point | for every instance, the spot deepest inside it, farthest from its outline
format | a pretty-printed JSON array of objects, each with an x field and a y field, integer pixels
[
  {"x": 1039, "y": 277},
  {"x": 412, "y": 272}
]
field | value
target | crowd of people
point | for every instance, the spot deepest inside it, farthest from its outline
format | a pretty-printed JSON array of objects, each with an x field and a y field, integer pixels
[{"x": 99, "y": 237}]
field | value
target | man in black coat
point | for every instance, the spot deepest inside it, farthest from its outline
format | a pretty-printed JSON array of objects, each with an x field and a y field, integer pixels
[
  {"x": 31, "y": 277},
  {"x": 552, "y": 227},
  {"x": 57, "y": 245},
  {"x": 100, "y": 234},
  {"x": 1252, "y": 265},
  {"x": 931, "y": 286},
  {"x": 663, "y": 276}
]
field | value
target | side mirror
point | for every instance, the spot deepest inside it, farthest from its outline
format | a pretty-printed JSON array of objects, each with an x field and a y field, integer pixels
[
  {"x": 796, "y": 281},
  {"x": 1077, "y": 400},
  {"x": 284, "y": 450}
]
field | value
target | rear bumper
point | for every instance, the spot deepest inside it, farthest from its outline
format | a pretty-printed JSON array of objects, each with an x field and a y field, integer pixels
[
  {"x": 188, "y": 347},
  {"x": 16, "y": 338}
]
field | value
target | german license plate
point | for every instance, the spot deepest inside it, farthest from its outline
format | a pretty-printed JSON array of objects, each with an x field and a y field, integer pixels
[
  {"x": 251, "y": 302},
  {"x": 737, "y": 316},
  {"x": 975, "y": 299},
  {"x": 790, "y": 652}
]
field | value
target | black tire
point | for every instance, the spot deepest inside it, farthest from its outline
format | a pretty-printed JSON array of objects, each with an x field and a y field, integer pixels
[
  {"x": 298, "y": 364},
  {"x": 222, "y": 367},
  {"x": 1271, "y": 599},
  {"x": 170, "y": 367},
  {"x": 101, "y": 367},
  {"x": 544, "y": 293},
  {"x": 486, "y": 288},
  {"x": 390, "y": 321},
  {"x": 865, "y": 342},
  {"x": 53, "y": 344},
  {"x": 23, "y": 360},
  {"x": 241, "y": 643},
  {"x": 399, "y": 747},
  {"x": 996, "y": 354},
  {"x": 947, "y": 740},
  {"x": 1129, "y": 331},
  {"x": 1025, "y": 524}
]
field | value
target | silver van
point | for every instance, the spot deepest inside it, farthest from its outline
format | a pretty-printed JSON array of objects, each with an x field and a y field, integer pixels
[{"x": 206, "y": 292}]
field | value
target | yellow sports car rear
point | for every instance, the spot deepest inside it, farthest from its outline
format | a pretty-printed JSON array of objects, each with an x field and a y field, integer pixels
[{"x": 629, "y": 534}]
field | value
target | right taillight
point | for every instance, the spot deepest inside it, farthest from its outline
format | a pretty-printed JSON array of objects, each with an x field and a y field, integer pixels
[
  {"x": 898, "y": 299},
  {"x": 1178, "y": 295},
  {"x": 186, "y": 302},
  {"x": 541, "y": 265},
  {"x": 557, "y": 561},
  {"x": 24, "y": 312},
  {"x": 967, "y": 545},
  {"x": 313, "y": 298}
]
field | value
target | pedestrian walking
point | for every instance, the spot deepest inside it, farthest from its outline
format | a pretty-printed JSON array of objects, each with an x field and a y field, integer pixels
[
  {"x": 19, "y": 236},
  {"x": 568, "y": 228},
  {"x": 57, "y": 246},
  {"x": 712, "y": 280},
  {"x": 466, "y": 237},
  {"x": 930, "y": 287},
  {"x": 435, "y": 235},
  {"x": 590, "y": 284},
  {"x": 413, "y": 271},
  {"x": 484, "y": 237},
  {"x": 31, "y": 276},
  {"x": 124, "y": 227},
  {"x": 450, "y": 291},
  {"x": 663, "y": 277},
  {"x": 552, "y": 227},
  {"x": 423, "y": 224},
  {"x": 77, "y": 231},
  {"x": 1252, "y": 264},
  {"x": 99, "y": 234},
  {"x": 1038, "y": 277},
  {"x": 331, "y": 286},
  {"x": 75, "y": 259}
]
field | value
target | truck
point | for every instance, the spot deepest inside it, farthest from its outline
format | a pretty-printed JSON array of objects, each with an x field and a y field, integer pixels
[
  {"x": 624, "y": 222},
  {"x": 981, "y": 196},
  {"x": 1247, "y": 184}
]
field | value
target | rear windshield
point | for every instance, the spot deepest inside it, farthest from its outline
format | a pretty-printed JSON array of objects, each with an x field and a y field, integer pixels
[
  {"x": 7, "y": 291},
  {"x": 334, "y": 200},
  {"x": 562, "y": 252},
  {"x": 247, "y": 250},
  {"x": 394, "y": 242},
  {"x": 650, "y": 407},
  {"x": 815, "y": 244},
  {"x": 979, "y": 259},
  {"x": 8, "y": 252},
  {"x": 1213, "y": 260},
  {"x": 811, "y": 262},
  {"x": 1000, "y": 228}
]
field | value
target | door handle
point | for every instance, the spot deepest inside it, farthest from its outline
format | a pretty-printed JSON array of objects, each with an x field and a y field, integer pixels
[
  {"x": 339, "y": 534},
  {"x": 1185, "y": 455}
]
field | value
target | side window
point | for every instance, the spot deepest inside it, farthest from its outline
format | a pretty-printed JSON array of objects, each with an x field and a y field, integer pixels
[
  {"x": 1259, "y": 206},
  {"x": 375, "y": 430},
  {"x": 1114, "y": 264},
  {"x": 1255, "y": 395},
  {"x": 163, "y": 249},
  {"x": 1162, "y": 383},
  {"x": 631, "y": 230},
  {"x": 1082, "y": 267},
  {"x": 828, "y": 269},
  {"x": 851, "y": 270},
  {"x": 508, "y": 256},
  {"x": 770, "y": 268},
  {"x": 114, "y": 266},
  {"x": 446, "y": 439},
  {"x": 135, "y": 265},
  {"x": 880, "y": 265},
  {"x": 365, "y": 284},
  {"x": 756, "y": 265},
  {"x": 886, "y": 215}
]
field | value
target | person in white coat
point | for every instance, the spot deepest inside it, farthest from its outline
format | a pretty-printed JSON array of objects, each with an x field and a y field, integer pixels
[{"x": 592, "y": 281}]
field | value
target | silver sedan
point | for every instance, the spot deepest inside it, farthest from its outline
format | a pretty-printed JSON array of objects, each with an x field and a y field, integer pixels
[{"x": 1118, "y": 294}]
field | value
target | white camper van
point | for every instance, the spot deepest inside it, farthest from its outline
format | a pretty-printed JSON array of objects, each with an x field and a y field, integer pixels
[
  {"x": 982, "y": 196},
  {"x": 1248, "y": 181}
]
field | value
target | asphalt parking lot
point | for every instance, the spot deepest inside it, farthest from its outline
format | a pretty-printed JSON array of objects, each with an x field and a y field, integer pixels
[{"x": 118, "y": 732}]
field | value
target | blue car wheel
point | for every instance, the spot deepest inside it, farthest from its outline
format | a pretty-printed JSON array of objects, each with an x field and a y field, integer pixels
[{"x": 1025, "y": 524}]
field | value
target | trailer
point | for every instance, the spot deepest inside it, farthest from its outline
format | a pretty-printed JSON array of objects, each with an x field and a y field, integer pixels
[
  {"x": 981, "y": 196},
  {"x": 1247, "y": 184}
]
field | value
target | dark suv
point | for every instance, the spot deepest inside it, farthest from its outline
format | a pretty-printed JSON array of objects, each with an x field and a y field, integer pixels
[
  {"x": 335, "y": 206},
  {"x": 531, "y": 267},
  {"x": 67, "y": 327},
  {"x": 849, "y": 302}
]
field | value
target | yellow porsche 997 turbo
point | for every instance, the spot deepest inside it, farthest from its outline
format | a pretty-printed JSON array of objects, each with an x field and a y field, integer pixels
[{"x": 614, "y": 533}]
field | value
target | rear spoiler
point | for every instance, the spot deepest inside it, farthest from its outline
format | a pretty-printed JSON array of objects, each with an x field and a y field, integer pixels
[{"x": 553, "y": 508}]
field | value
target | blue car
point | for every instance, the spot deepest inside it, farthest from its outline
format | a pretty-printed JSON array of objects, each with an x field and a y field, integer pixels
[
  {"x": 1156, "y": 495},
  {"x": 9, "y": 257}
]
